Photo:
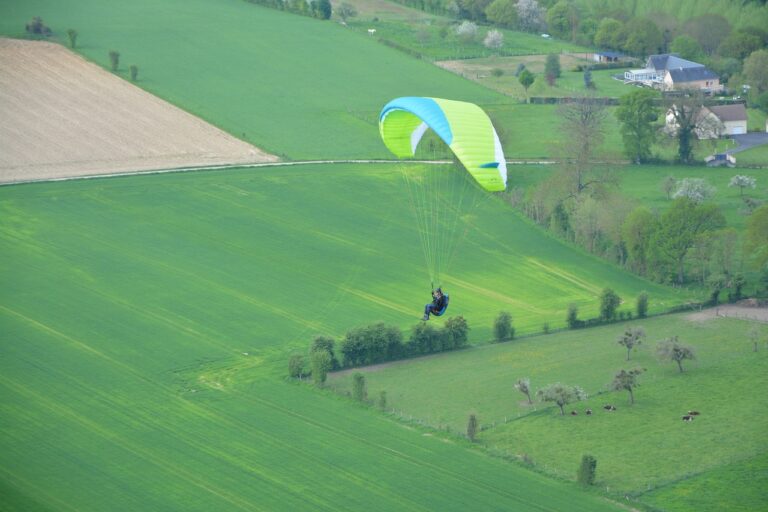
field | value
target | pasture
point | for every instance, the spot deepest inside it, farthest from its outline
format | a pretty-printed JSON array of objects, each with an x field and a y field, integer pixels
[
  {"x": 436, "y": 39},
  {"x": 147, "y": 322},
  {"x": 320, "y": 99},
  {"x": 641, "y": 448},
  {"x": 644, "y": 185}
]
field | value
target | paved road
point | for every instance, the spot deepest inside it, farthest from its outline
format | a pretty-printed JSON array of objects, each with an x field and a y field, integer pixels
[{"x": 749, "y": 140}]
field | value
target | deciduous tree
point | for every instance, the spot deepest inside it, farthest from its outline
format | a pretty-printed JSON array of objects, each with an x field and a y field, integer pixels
[
  {"x": 637, "y": 113},
  {"x": 502, "y": 327},
  {"x": 502, "y": 13},
  {"x": 742, "y": 182},
  {"x": 72, "y": 36},
  {"x": 756, "y": 70},
  {"x": 678, "y": 228},
  {"x": 637, "y": 230},
  {"x": 627, "y": 380},
  {"x": 523, "y": 385},
  {"x": 672, "y": 350},
  {"x": 561, "y": 394},
  {"x": 609, "y": 303},
  {"x": 359, "y": 391},
  {"x": 472, "y": 427},
  {"x": 631, "y": 338},
  {"x": 587, "y": 469},
  {"x": 321, "y": 365}
]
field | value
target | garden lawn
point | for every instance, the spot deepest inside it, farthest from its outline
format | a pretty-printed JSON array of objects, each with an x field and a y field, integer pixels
[
  {"x": 147, "y": 322},
  {"x": 639, "y": 448},
  {"x": 297, "y": 87},
  {"x": 754, "y": 157}
]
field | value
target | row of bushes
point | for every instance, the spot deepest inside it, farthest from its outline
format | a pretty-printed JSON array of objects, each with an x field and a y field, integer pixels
[{"x": 377, "y": 343}]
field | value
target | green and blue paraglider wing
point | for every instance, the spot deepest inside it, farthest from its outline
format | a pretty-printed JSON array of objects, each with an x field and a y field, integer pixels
[{"x": 464, "y": 127}]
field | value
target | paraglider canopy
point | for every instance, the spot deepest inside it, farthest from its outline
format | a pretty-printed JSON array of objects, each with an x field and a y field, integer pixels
[{"x": 463, "y": 126}]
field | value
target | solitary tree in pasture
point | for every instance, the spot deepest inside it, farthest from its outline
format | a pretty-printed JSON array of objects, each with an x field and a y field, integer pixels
[
  {"x": 523, "y": 385},
  {"x": 134, "y": 70},
  {"x": 466, "y": 31},
  {"x": 756, "y": 238},
  {"x": 72, "y": 35},
  {"x": 677, "y": 232},
  {"x": 627, "y": 380},
  {"x": 754, "y": 336},
  {"x": 383, "y": 400},
  {"x": 455, "y": 333},
  {"x": 672, "y": 350},
  {"x": 637, "y": 114},
  {"x": 494, "y": 40},
  {"x": 321, "y": 365},
  {"x": 526, "y": 79},
  {"x": 502, "y": 327},
  {"x": 642, "y": 307},
  {"x": 695, "y": 189},
  {"x": 561, "y": 394},
  {"x": 742, "y": 182},
  {"x": 632, "y": 337},
  {"x": 587, "y": 469},
  {"x": 346, "y": 11},
  {"x": 359, "y": 391},
  {"x": 114, "y": 59},
  {"x": 472, "y": 427},
  {"x": 609, "y": 302}
]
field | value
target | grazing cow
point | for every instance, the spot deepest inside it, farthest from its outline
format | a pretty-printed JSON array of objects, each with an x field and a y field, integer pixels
[
  {"x": 693, "y": 413},
  {"x": 588, "y": 412},
  {"x": 574, "y": 413},
  {"x": 688, "y": 418},
  {"x": 609, "y": 407}
]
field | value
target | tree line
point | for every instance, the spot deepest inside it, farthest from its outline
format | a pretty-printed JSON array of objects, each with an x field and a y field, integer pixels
[{"x": 376, "y": 343}]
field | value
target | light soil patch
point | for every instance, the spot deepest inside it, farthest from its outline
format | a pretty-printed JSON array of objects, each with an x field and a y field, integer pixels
[
  {"x": 63, "y": 116},
  {"x": 731, "y": 311}
]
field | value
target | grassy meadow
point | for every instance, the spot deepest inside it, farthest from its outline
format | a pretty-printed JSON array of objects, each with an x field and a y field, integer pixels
[
  {"x": 319, "y": 99},
  {"x": 642, "y": 448},
  {"x": 644, "y": 185},
  {"x": 147, "y": 322}
]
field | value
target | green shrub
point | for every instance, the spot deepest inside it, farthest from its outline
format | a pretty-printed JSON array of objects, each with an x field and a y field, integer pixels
[
  {"x": 587, "y": 469},
  {"x": 502, "y": 327}
]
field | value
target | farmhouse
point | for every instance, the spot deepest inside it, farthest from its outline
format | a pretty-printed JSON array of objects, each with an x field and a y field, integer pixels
[
  {"x": 669, "y": 72},
  {"x": 715, "y": 121}
]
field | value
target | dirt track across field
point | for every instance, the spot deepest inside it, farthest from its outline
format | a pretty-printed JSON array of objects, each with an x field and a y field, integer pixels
[{"x": 62, "y": 116}]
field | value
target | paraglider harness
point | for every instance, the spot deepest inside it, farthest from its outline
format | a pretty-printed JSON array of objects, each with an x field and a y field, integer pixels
[{"x": 439, "y": 304}]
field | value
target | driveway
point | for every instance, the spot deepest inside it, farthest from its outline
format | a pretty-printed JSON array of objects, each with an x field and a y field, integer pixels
[{"x": 748, "y": 140}]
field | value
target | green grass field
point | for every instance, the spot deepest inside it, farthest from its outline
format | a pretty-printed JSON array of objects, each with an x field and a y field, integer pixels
[
  {"x": 643, "y": 184},
  {"x": 219, "y": 60},
  {"x": 639, "y": 448},
  {"x": 147, "y": 322},
  {"x": 755, "y": 157},
  {"x": 436, "y": 39}
]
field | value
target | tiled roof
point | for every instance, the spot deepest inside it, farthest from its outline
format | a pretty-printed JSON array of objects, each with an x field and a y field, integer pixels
[
  {"x": 680, "y": 75},
  {"x": 725, "y": 113}
]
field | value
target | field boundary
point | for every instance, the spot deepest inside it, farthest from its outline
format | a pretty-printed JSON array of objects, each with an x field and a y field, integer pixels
[{"x": 224, "y": 167}]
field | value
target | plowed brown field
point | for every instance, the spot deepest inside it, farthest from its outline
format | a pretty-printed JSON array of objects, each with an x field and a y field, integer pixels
[{"x": 62, "y": 116}]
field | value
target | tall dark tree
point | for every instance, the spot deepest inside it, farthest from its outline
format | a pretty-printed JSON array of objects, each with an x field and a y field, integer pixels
[
  {"x": 472, "y": 427},
  {"x": 636, "y": 233},
  {"x": 552, "y": 65},
  {"x": 321, "y": 365},
  {"x": 637, "y": 113},
  {"x": 587, "y": 469},
  {"x": 359, "y": 391},
  {"x": 502, "y": 327},
  {"x": 324, "y": 9},
  {"x": 687, "y": 119},
  {"x": 609, "y": 303},
  {"x": 642, "y": 305}
]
